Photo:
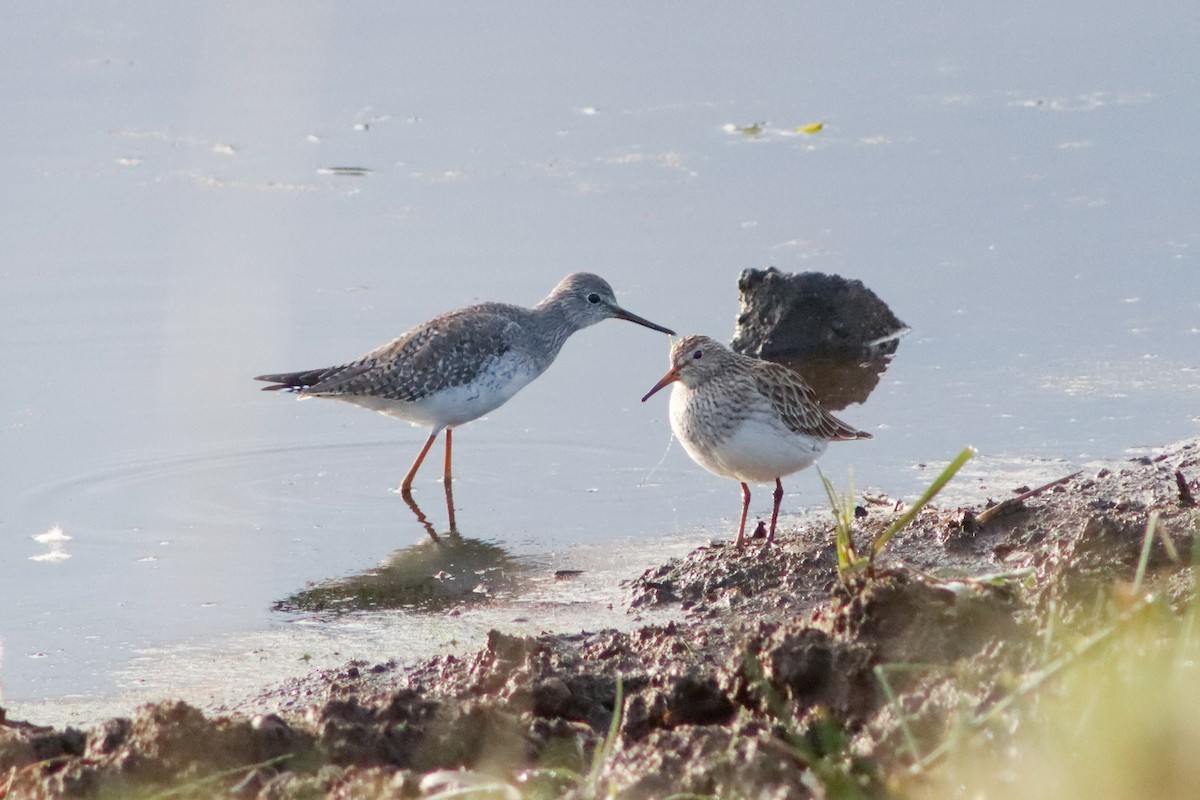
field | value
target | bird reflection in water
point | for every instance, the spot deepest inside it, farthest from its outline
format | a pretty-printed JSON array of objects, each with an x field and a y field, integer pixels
[
  {"x": 448, "y": 486},
  {"x": 443, "y": 572}
]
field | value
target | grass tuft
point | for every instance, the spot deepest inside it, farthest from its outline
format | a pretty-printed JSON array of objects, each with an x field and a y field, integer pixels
[
  {"x": 850, "y": 563},
  {"x": 1114, "y": 714}
]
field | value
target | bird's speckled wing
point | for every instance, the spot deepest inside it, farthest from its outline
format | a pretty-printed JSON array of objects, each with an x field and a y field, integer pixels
[
  {"x": 448, "y": 351},
  {"x": 796, "y": 403}
]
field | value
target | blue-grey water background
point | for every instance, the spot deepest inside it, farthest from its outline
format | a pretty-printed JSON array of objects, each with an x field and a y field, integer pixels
[{"x": 1019, "y": 181}]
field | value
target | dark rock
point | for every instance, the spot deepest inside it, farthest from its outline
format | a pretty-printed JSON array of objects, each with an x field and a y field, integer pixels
[
  {"x": 835, "y": 332},
  {"x": 785, "y": 316}
]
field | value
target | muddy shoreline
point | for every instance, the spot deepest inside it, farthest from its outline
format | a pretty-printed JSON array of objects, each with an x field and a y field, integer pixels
[{"x": 767, "y": 683}]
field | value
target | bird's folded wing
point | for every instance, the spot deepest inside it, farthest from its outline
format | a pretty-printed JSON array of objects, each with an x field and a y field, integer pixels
[
  {"x": 446, "y": 352},
  {"x": 797, "y": 405}
]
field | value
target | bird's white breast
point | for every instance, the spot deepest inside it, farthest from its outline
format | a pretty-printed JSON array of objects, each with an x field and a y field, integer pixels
[{"x": 746, "y": 443}]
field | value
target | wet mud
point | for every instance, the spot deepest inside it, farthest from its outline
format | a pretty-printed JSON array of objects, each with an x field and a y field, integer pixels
[{"x": 767, "y": 683}]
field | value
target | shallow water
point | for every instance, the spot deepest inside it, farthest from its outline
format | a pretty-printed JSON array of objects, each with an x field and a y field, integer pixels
[{"x": 198, "y": 195}]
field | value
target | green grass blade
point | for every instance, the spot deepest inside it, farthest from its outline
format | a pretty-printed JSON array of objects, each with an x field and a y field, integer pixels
[
  {"x": 1144, "y": 558},
  {"x": 605, "y": 748},
  {"x": 940, "y": 483},
  {"x": 844, "y": 541},
  {"x": 889, "y": 694}
]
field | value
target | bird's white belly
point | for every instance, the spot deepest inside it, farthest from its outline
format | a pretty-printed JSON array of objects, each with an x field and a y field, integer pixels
[
  {"x": 758, "y": 450},
  {"x": 456, "y": 405}
]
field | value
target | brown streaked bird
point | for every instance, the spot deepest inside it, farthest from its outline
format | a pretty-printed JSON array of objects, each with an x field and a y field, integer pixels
[
  {"x": 462, "y": 364},
  {"x": 747, "y": 419}
]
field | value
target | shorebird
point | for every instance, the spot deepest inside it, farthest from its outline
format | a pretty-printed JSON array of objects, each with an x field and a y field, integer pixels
[
  {"x": 744, "y": 418},
  {"x": 462, "y": 364}
]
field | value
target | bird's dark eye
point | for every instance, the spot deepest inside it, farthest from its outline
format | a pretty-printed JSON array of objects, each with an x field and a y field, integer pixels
[
  {"x": 698, "y": 354},
  {"x": 593, "y": 298}
]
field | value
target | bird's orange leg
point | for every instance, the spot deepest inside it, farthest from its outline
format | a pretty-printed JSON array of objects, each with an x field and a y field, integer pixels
[{"x": 406, "y": 484}]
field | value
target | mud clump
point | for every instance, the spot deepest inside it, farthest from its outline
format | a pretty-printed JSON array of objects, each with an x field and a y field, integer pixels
[
  {"x": 162, "y": 743},
  {"x": 910, "y": 620},
  {"x": 776, "y": 677},
  {"x": 411, "y": 732}
]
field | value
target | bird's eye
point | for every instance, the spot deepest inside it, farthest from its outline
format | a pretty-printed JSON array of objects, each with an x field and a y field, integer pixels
[
  {"x": 593, "y": 298},
  {"x": 698, "y": 354}
]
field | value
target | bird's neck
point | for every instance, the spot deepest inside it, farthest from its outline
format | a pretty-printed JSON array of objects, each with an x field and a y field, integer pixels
[{"x": 554, "y": 324}]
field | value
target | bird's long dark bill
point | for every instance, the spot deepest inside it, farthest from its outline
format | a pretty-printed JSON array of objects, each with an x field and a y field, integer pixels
[
  {"x": 669, "y": 378},
  {"x": 621, "y": 313}
]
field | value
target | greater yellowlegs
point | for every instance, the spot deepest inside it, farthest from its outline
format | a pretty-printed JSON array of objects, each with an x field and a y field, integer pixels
[{"x": 746, "y": 419}]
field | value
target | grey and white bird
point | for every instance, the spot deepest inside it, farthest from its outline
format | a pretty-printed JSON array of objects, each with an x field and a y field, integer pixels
[{"x": 464, "y": 363}]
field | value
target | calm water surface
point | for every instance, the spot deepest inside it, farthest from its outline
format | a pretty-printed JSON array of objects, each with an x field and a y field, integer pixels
[{"x": 196, "y": 195}]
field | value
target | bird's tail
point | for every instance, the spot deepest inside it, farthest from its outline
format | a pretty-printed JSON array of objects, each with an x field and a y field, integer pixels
[
  {"x": 845, "y": 433},
  {"x": 293, "y": 381}
]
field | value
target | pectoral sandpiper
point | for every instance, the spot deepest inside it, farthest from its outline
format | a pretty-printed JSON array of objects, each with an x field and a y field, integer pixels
[{"x": 744, "y": 418}]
